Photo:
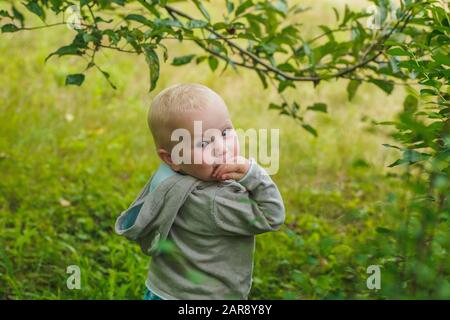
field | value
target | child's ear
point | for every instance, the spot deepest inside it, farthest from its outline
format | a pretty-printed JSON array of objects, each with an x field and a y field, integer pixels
[{"x": 165, "y": 156}]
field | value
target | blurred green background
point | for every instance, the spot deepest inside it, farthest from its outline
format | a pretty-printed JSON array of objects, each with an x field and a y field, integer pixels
[{"x": 71, "y": 159}]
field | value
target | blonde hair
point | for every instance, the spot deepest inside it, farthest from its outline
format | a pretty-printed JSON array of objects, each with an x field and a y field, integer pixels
[{"x": 172, "y": 102}]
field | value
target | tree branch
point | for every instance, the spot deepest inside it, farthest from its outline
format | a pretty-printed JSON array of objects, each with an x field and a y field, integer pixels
[
  {"x": 241, "y": 50},
  {"x": 269, "y": 68}
]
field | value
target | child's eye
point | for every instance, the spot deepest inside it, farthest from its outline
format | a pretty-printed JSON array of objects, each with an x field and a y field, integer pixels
[
  {"x": 203, "y": 144},
  {"x": 226, "y": 132}
]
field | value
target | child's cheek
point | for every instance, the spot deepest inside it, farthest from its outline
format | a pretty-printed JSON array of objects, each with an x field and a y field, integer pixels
[{"x": 208, "y": 158}]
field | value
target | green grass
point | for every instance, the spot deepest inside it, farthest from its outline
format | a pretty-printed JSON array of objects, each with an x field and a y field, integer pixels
[{"x": 63, "y": 183}]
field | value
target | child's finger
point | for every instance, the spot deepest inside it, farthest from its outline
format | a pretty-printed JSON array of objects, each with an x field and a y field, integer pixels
[
  {"x": 231, "y": 175},
  {"x": 217, "y": 170},
  {"x": 220, "y": 169},
  {"x": 215, "y": 167},
  {"x": 226, "y": 168}
]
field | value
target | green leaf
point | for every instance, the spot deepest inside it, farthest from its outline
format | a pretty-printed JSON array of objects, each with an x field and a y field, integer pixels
[
  {"x": 262, "y": 77},
  {"x": 410, "y": 103},
  {"x": 309, "y": 53},
  {"x": 139, "y": 18},
  {"x": 432, "y": 92},
  {"x": 321, "y": 107},
  {"x": 75, "y": 79},
  {"x": 275, "y": 106},
  {"x": 165, "y": 52},
  {"x": 220, "y": 26},
  {"x": 149, "y": 7},
  {"x": 386, "y": 86},
  {"x": 100, "y": 19},
  {"x": 200, "y": 59},
  {"x": 336, "y": 13},
  {"x": 167, "y": 22},
  {"x": 4, "y": 13},
  {"x": 34, "y": 7},
  {"x": 284, "y": 84},
  {"x": 153, "y": 62},
  {"x": 328, "y": 32},
  {"x": 193, "y": 24},
  {"x": 391, "y": 146},
  {"x": 398, "y": 52},
  {"x": 397, "y": 163},
  {"x": 386, "y": 123},
  {"x": 178, "y": 61},
  {"x": 287, "y": 67},
  {"x": 18, "y": 15},
  {"x": 352, "y": 87},
  {"x": 244, "y": 6},
  {"x": 348, "y": 14},
  {"x": 9, "y": 28},
  {"x": 230, "y": 6},
  {"x": 213, "y": 62},
  {"x": 441, "y": 58},
  {"x": 202, "y": 9},
  {"x": 310, "y": 129},
  {"x": 66, "y": 50},
  {"x": 410, "y": 156}
]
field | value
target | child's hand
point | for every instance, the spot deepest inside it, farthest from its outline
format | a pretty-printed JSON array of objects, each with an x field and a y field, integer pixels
[{"x": 234, "y": 168}]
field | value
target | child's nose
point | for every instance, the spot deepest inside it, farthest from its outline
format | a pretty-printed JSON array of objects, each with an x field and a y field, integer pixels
[{"x": 219, "y": 148}]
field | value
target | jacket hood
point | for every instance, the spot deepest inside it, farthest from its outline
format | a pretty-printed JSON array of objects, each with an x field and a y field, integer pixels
[{"x": 149, "y": 218}]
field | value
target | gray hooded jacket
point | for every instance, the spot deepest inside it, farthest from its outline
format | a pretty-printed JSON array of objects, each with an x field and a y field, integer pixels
[{"x": 201, "y": 235}]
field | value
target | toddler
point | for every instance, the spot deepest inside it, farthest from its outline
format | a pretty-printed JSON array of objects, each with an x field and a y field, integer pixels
[{"x": 198, "y": 214}]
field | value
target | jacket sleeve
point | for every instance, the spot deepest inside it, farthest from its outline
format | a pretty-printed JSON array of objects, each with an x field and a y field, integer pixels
[{"x": 249, "y": 206}]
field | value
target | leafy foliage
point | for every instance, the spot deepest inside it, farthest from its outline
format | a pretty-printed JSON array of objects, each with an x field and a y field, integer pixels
[
  {"x": 423, "y": 129},
  {"x": 276, "y": 47}
]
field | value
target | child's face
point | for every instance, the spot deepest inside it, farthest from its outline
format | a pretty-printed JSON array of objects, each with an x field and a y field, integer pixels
[{"x": 213, "y": 144}]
